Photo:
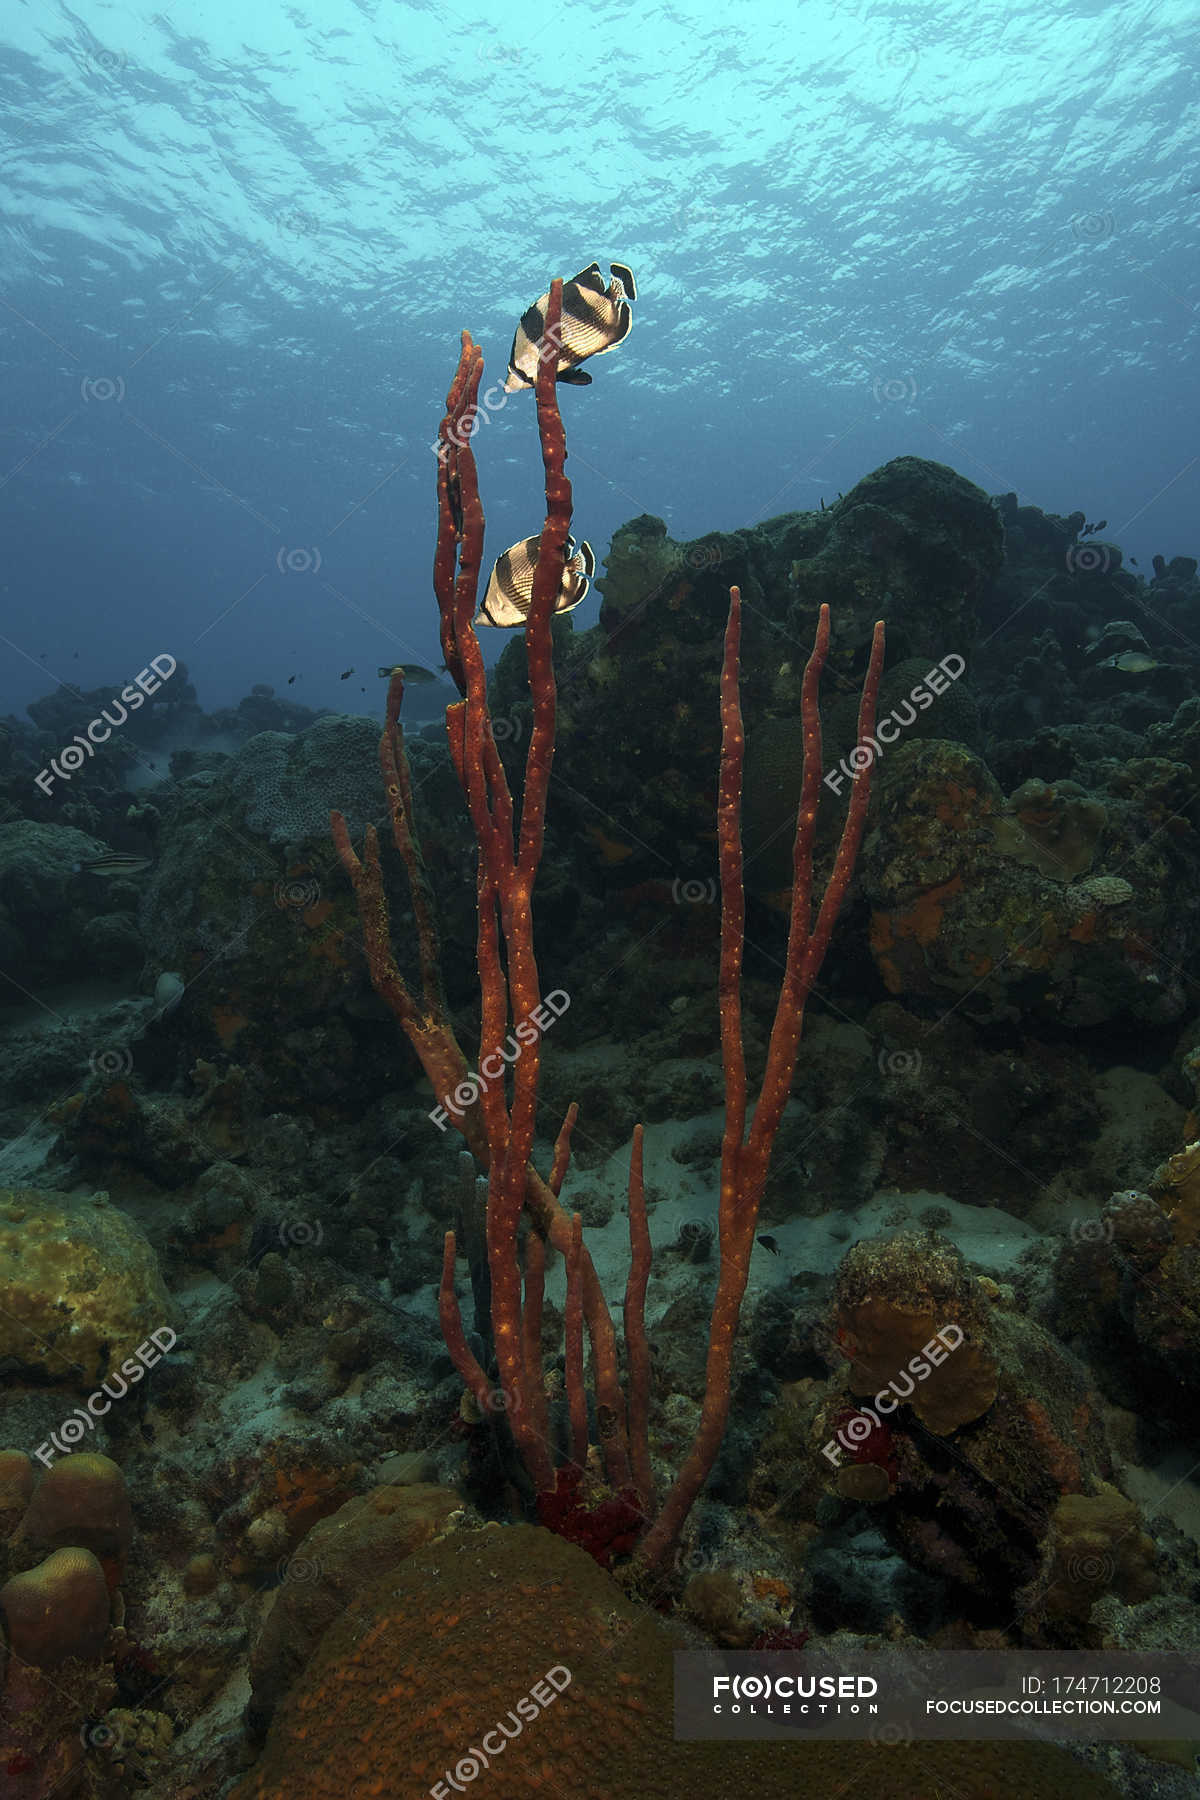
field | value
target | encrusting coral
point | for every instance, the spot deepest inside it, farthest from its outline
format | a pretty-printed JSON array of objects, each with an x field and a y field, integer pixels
[
  {"x": 894, "y": 1298},
  {"x": 79, "y": 1285},
  {"x": 1097, "y": 1547}
]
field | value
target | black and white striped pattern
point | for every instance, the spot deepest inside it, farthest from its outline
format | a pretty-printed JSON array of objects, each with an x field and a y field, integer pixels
[
  {"x": 510, "y": 587},
  {"x": 594, "y": 319}
]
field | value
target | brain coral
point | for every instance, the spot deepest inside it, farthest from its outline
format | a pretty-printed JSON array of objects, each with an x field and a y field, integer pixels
[
  {"x": 341, "y": 1554},
  {"x": 82, "y": 1503},
  {"x": 404, "y": 1687},
  {"x": 56, "y": 1611},
  {"x": 79, "y": 1285},
  {"x": 288, "y": 785}
]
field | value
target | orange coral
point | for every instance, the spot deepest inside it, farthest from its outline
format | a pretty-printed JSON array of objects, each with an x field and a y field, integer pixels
[
  {"x": 1098, "y": 1546},
  {"x": 1062, "y": 1462},
  {"x": 885, "y": 1339},
  {"x": 411, "y": 1680},
  {"x": 306, "y": 1495},
  {"x": 1175, "y": 1184},
  {"x": 342, "y": 1554},
  {"x": 922, "y": 920}
]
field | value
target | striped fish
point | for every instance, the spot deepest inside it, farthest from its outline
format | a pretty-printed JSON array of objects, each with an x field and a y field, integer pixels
[
  {"x": 114, "y": 862},
  {"x": 510, "y": 587},
  {"x": 594, "y": 318}
]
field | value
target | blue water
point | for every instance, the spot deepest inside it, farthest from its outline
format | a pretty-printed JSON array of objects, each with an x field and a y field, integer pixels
[{"x": 239, "y": 244}]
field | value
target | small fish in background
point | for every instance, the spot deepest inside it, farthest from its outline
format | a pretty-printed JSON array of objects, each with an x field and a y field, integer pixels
[
  {"x": 594, "y": 319},
  {"x": 510, "y": 586},
  {"x": 345, "y": 674},
  {"x": 1131, "y": 662},
  {"x": 414, "y": 674},
  {"x": 771, "y": 1244},
  {"x": 114, "y": 862},
  {"x": 290, "y": 680}
]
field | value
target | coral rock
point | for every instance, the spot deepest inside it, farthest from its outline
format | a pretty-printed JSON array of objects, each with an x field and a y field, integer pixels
[
  {"x": 714, "y": 1600},
  {"x": 1099, "y": 1548},
  {"x": 893, "y": 1299},
  {"x": 16, "y": 1486},
  {"x": 976, "y": 896},
  {"x": 336, "y": 1559},
  {"x": 82, "y": 1503},
  {"x": 79, "y": 1285},
  {"x": 57, "y": 1611},
  {"x": 418, "y": 1670}
]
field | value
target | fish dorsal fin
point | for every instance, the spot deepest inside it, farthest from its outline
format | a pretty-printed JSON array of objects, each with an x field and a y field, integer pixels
[
  {"x": 589, "y": 278},
  {"x": 624, "y": 275}
]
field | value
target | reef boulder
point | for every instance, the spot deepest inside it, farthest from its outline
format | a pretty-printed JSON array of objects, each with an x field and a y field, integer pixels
[
  {"x": 80, "y": 1287},
  {"x": 1015, "y": 906}
]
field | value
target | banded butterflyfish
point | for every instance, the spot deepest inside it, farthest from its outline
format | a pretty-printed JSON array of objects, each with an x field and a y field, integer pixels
[
  {"x": 594, "y": 319},
  {"x": 510, "y": 587}
]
